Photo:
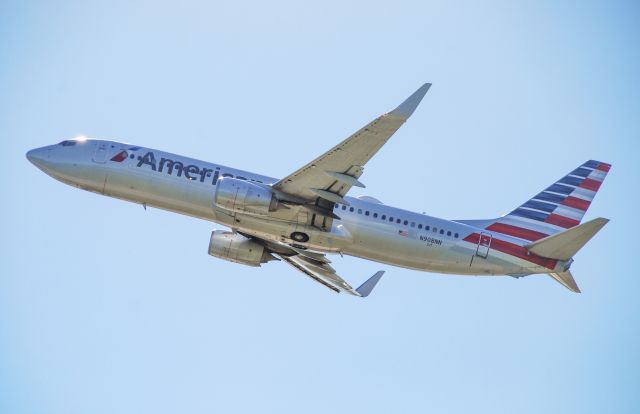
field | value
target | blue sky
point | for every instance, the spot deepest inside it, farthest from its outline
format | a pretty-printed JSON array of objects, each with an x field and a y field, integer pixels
[{"x": 105, "y": 307}]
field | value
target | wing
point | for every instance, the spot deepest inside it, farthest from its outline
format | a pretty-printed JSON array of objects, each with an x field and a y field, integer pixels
[
  {"x": 331, "y": 175},
  {"x": 316, "y": 266}
]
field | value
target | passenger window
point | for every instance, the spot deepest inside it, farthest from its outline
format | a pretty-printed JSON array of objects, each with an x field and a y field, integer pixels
[
  {"x": 334, "y": 206},
  {"x": 366, "y": 213},
  {"x": 435, "y": 229},
  {"x": 398, "y": 221},
  {"x": 455, "y": 235},
  {"x": 351, "y": 209},
  {"x": 406, "y": 222},
  {"x": 390, "y": 219},
  {"x": 384, "y": 217},
  {"x": 413, "y": 224},
  {"x": 449, "y": 233},
  {"x": 359, "y": 211},
  {"x": 441, "y": 231},
  {"x": 375, "y": 215},
  {"x": 419, "y": 226},
  {"x": 344, "y": 207},
  {"x": 427, "y": 228}
]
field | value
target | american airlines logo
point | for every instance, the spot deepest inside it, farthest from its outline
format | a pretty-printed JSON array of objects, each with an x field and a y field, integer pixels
[
  {"x": 177, "y": 168},
  {"x": 121, "y": 156}
]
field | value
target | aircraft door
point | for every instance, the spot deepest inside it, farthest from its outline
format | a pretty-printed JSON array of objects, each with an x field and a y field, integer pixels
[
  {"x": 484, "y": 243},
  {"x": 100, "y": 155}
]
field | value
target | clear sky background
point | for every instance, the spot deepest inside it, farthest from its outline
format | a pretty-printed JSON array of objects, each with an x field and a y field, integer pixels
[{"x": 107, "y": 308}]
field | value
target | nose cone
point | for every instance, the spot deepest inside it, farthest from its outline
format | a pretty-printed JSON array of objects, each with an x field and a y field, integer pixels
[{"x": 37, "y": 157}]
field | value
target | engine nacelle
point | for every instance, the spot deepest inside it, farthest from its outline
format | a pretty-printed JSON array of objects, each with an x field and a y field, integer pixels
[
  {"x": 236, "y": 248},
  {"x": 242, "y": 196}
]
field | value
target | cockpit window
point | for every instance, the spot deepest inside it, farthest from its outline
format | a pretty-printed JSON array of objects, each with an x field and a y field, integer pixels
[{"x": 68, "y": 143}]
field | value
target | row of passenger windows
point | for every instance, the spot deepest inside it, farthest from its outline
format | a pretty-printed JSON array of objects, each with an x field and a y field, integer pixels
[{"x": 400, "y": 221}]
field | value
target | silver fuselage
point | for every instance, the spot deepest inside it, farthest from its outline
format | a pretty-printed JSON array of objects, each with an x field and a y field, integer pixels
[{"x": 187, "y": 186}]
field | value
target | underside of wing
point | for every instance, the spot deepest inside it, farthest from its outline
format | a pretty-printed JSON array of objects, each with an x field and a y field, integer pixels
[
  {"x": 331, "y": 175},
  {"x": 320, "y": 272},
  {"x": 317, "y": 267},
  {"x": 326, "y": 275}
]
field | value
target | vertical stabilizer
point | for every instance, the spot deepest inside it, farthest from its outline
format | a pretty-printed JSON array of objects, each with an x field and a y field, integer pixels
[{"x": 559, "y": 207}]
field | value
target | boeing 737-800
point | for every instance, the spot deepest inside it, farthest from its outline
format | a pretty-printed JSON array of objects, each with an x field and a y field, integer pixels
[{"x": 305, "y": 216}]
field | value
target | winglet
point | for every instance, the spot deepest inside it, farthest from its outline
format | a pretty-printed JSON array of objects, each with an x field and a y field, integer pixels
[
  {"x": 407, "y": 107},
  {"x": 365, "y": 289}
]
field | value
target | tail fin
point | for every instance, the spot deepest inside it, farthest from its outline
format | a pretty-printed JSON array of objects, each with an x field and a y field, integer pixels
[
  {"x": 559, "y": 207},
  {"x": 566, "y": 279},
  {"x": 562, "y": 246}
]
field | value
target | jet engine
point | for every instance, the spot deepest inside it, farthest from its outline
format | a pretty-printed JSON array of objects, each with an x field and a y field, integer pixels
[
  {"x": 242, "y": 196},
  {"x": 236, "y": 248}
]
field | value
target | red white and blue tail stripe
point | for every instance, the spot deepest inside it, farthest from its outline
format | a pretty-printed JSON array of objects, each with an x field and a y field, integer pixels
[{"x": 557, "y": 208}]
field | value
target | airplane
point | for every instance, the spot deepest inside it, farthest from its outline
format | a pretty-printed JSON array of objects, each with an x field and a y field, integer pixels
[{"x": 306, "y": 216}]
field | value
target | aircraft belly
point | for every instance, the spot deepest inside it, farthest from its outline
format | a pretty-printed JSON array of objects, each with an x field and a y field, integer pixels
[
  {"x": 276, "y": 230},
  {"x": 388, "y": 244},
  {"x": 398, "y": 247},
  {"x": 496, "y": 263}
]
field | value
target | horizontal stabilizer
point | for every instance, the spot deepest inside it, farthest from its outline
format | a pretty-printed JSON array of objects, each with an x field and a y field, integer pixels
[
  {"x": 566, "y": 280},
  {"x": 365, "y": 289},
  {"x": 563, "y": 245}
]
